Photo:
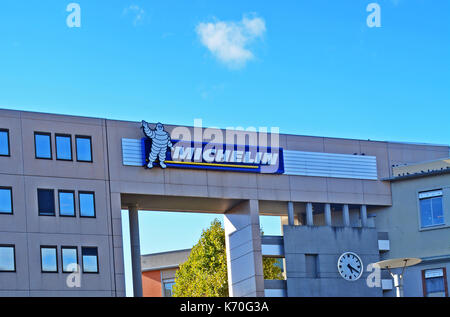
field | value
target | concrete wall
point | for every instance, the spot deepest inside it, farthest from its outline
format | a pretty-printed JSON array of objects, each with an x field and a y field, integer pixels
[
  {"x": 407, "y": 238},
  {"x": 28, "y": 231},
  {"x": 328, "y": 243}
]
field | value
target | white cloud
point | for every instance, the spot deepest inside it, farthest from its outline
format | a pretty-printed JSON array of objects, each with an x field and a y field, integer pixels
[
  {"x": 137, "y": 11},
  {"x": 229, "y": 41}
]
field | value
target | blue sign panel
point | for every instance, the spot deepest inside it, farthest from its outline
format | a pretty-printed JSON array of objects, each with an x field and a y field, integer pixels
[{"x": 222, "y": 157}]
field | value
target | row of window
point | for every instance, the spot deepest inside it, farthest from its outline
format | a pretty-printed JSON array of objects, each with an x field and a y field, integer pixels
[
  {"x": 49, "y": 259},
  {"x": 46, "y": 202},
  {"x": 63, "y": 146}
]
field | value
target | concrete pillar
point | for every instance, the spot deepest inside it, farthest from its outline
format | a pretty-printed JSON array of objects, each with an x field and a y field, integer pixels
[
  {"x": 328, "y": 215},
  {"x": 135, "y": 250},
  {"x": 243, "y": 247},
  {"x": 309, "y": 214},
  {"x": 291, "y": 219},
  {"x": 345, "y": 216},
  {"x": 363, "y": 213}
]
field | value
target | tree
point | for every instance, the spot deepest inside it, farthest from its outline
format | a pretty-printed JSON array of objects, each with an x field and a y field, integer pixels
[{"x": 204, "y": 274}]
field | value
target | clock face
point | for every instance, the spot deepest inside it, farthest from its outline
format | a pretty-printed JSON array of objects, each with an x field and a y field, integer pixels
[{"x": 350, "y": 266}]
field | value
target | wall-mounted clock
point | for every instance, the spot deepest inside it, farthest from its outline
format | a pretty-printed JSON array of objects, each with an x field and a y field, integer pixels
[{"x": 350, "y": 266}]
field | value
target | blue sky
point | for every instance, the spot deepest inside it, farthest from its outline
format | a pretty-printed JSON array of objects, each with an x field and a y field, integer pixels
[{"x": 307, "y": 67}]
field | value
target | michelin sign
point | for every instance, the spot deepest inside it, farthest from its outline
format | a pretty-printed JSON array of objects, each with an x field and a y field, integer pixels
[{"x": 160, "y": 150}]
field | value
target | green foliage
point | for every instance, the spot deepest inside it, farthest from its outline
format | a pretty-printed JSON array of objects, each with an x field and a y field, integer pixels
[
  {"x": 204, "y": 274},
  {"x": 272, "y": 269}
]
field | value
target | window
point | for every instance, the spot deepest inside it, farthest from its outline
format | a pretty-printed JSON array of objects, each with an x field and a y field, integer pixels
[
  {"x": 43, "y": 145},
  {"x": 431, "y": 211},
  {"x": 434, "y": 283},
  {"x": 63, "y": 147},
  {"x": 84, "y": 148},
  {"x": 66, "y": 203},
  {"x": 46, "y": 202},
  {"x": 7, "y": 258},
  {"x": 69, "y": 259},
  {"x": 87, "y": 204},
  {"x": 90, "y": 259},
  {"x": 6, "y": 206},
  {"x": 49, "y": 259},
  {"x": 168, "y": 287},
  {"x": 4, "y": 142}
]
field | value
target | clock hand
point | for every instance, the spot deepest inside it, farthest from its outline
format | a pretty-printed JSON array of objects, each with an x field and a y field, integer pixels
[{"x": 352, "y": 268}]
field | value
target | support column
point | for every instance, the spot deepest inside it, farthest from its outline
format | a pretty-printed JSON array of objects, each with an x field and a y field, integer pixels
[
  {"x": 243, "y": 247},
  {"x": 135, "y": 250},
  {"x": 363, "y": 213},
  {"x": 328, "y": 215},
  {"x": 345, "y": 216},
  {"x": 309, "y": 214},
  {"x": 291, "y": 220}
]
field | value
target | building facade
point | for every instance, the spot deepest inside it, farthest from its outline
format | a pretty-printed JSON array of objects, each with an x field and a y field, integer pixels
[
  {"x": 158, "y": 272},
  {"x": 421, "y": 204},
  {"x": 64, "y": 181}
]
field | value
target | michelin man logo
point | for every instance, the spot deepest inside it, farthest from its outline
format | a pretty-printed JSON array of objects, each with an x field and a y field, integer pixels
[{"x": 160, "y": 142}]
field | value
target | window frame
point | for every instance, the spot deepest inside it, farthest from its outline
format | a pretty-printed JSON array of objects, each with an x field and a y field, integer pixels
[
  {"x": 56, "y": 146},
  {"x": 79, "y": 203},
  {"x": 9, "y": 143},
  {"x": 12, "y": 202},
  {"x": 90, "y": 143},
  {"x": 64, "y": 247},
  {"x": 424, "y": 280},
  {"x": 14, "y": 256},
  {"x": 82, "y": 260},
  {"x": 56, "y": 257},
  {"x": 39, "y": 212},
  {"x": 51, "y": 146},
  {"x": 65, "y": 191},
  {"x": 433, "y": 226}
]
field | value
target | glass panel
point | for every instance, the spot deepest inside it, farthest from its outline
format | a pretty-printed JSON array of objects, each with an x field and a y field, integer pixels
[
  {"x": 168, "y": 286},
  {"x": 46, "y": 202},
  {"x": 84, "y": 149},
  {"x": 90, "y": 264},
  {"x": 63, "y": 148},
  {"x": 4, "y": 143},
  {"x": 425, "y": 213},
  {"x": 69, "y": 256},
  {"x": 5, "y": 201},
  {"x": 43, "y": 146},
  {"x": 66, "y": 204},
  {"x": 7, "y": 259},
  {"x": 49, "y": 263},
  {"x": 435, "y": 285},
  {"x": 438, "y": 214},
  {"x": 87, "y": 207}
]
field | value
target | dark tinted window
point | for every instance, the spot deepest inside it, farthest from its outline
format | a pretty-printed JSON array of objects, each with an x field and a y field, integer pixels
[
  {"x": 4, "y": 142},
  {"x": 63, "y": 147},
  {"x": 43, "y": 145},
  {"x": 84, "y": 149},
  {"x": 7, "y": 259},
  {"x": 46, "y": 202},
  {"x": 66, "y": 203},
  {"x": 90, "y": 259},
  {"x": 6, "y": 200}
]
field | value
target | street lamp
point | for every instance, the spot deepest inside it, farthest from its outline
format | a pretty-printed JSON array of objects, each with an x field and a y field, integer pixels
[{"x": 395, "y": 264}]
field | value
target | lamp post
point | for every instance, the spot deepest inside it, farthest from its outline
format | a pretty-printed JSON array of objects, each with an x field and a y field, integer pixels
[{"x": 402, "y": 263}]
